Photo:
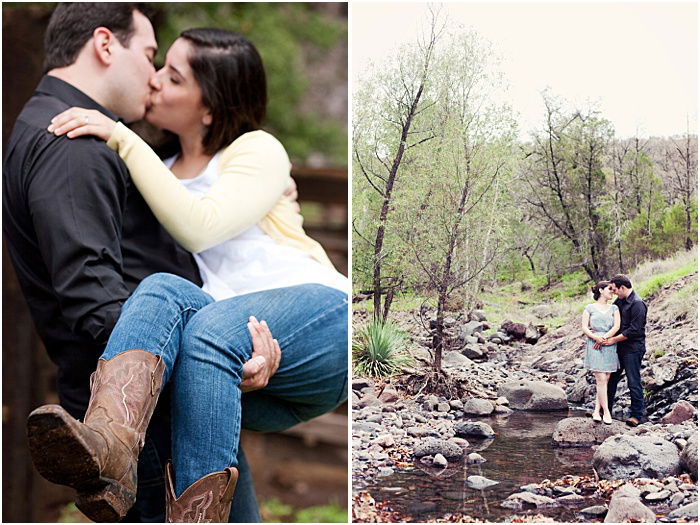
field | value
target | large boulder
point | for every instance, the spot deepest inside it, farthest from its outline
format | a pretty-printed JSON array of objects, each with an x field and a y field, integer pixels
[
  {"x": 431, "y": 447},
  {"x": 478, "y": 407},
  {"x": 628, "y": 457},
  {"x": 689, "y": 456},
  {"x": 584, "y": 432},
  {"x": 534, "y": 395},
  {"x": 625, "y": 507},
  {"x": 474, "y": 429}
]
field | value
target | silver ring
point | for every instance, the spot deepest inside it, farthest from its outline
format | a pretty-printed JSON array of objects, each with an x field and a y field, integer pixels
[{"x": 86, "y": 119}]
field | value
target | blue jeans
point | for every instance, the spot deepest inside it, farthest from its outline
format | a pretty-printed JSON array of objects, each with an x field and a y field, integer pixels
[
  {"x": 631, "y": 366},
  {"x": 204, "y": 344}
]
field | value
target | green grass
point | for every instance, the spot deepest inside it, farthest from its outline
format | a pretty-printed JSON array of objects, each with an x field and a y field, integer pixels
[
  {"x": 652, "y": 285},
  {"x": 275, "y": 511}
]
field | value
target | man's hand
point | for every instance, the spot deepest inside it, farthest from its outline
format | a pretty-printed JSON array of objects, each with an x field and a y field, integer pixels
[
  {"x": 265, "y": 358},
  {"x": 292, "y": 194},
  {"x": 604, "y": 341}
]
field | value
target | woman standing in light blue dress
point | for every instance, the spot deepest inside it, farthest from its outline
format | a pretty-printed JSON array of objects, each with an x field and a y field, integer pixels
[{"x": 600, "y": 321}]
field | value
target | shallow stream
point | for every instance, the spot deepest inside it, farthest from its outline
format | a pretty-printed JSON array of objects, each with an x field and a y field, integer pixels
[{"x": 521, "y": 453}]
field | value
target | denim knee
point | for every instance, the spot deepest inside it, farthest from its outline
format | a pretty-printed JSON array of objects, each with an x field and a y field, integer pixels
[{"x": 214, "y": 339}]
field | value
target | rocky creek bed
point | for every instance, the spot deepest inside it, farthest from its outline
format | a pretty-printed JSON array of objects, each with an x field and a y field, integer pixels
[{"x": 505, "y": 445}]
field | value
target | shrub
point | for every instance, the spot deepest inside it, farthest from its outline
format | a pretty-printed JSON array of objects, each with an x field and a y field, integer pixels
[{"x": 378, "y": 349}]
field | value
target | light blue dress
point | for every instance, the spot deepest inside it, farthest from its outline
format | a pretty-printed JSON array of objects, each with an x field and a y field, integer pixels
[{"x": 605, "y": 359}]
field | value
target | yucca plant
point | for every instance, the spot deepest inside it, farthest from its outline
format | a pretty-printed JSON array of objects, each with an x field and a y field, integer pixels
[{"x": 378, "y": 349}]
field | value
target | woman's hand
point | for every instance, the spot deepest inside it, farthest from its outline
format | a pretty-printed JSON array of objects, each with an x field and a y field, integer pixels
[
  {"x": 76, "y": 122},
  {"x": 265, "y": 358}
]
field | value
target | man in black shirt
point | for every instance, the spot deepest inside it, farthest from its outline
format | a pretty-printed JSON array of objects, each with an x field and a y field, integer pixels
[
  {"x": 79, "y": 234},
  {"x": 630, "y": 340}
]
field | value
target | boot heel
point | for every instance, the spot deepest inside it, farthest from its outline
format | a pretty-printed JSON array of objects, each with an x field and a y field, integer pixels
[
  {"x": 108, "y": 504},
  {"x": 59, "y": 452}
]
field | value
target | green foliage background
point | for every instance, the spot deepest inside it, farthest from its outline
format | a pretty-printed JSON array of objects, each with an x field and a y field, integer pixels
[{"x": 284, "y": 34}]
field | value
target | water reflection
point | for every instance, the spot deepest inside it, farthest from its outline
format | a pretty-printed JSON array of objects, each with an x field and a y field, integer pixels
[{"x": 521, "y": 453}]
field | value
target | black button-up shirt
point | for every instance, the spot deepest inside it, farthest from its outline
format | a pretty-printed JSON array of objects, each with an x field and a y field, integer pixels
[
  {"x": 633, "y": 320},
  {"x": 80, "y": 235}
]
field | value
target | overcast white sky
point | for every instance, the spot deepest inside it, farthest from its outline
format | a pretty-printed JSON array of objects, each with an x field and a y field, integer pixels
[{"x": 640, "y": 60}]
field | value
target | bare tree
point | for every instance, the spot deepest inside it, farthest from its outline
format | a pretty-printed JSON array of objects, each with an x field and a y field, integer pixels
[{"x": 566, "y": 181}]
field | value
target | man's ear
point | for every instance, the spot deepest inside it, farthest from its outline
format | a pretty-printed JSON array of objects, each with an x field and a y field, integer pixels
[{"x": 103, "y": 42}]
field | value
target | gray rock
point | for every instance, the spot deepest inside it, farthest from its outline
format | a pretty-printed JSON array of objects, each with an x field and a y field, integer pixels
[
  {"x": 421, "y": 432},
  {"x": 456, "y": 360},
  {"x": 432, "y": 446},
  {"x": 385, "y": 471},
  {"x": 480, "y": 482},
  {"x": 443, "y": 407},
  {"x": 478, "y": 407},
  {"x": 449, "y": 321},
  {"x": 456, "y": 404},
  {"x": 533, "y": 395},
  {"x": 628, "y": 457},
  {"x": 439, "y": 461},
  {"x": 502, "y": 410},
  {"x": 677, "y": 499},
  {"x": 689, "y": 457},
  {"x": 385, "y": 440},
  {"x": 571, "y": 499},
  {"x": 562, "y": 491},
  {"x": 389, "y": 395},
  {"x": 461, "y": 442},
  {"x": 475, "y": 458},
  {"x": 681, "y": 411},
  {"x": 474, "y": 428},
  {"x": 595, "y": 510},
  {"x": 473, "y": 352},
  {"x": 625, "y": 506},
  {"x": 525, "y": 500},
  {"x": 502, "y": 401},
  {"x": 369, "y": 400},
  {"x": 366, "y": 427},
  {"x": 689, "y": 511},
  {"x": 360, "y": 383},
  {"x": 657, "y": 496},
  {"x": 468, "y": 329},
  {"x": 496, "y": 340},
  {"x": 478, "y": 315},
  {"x": 584, "y": 432}
]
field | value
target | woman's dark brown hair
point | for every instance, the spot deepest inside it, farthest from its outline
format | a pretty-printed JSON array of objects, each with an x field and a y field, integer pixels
[
  {"x": 231, "y": 75},
  {"x": 597, "y": 287}
]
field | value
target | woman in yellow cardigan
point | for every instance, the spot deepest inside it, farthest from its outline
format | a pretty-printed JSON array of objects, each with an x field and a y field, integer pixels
[{"x": 220, "y": 197}]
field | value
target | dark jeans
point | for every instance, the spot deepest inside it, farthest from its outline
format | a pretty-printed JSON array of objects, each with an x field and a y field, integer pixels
[{"x": 631, "y": 366}]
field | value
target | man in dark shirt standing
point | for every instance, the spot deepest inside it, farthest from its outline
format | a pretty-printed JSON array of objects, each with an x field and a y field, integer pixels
[
  {"x": 631, "y": 347},
  {"x": 79, "y": 234}
]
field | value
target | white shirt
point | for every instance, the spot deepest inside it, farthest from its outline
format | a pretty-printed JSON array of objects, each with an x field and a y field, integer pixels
[{"x": 252, "y": 261}]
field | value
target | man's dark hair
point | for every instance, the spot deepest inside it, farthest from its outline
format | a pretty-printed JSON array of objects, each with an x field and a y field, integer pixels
[
  {"x": 72, "y": 24},
  {"x": 230, "y": 73},
  {"x": 621, "y": 280}
]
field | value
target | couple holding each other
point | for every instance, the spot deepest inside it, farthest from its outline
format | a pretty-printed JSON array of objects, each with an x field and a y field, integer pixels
[
  {"x": 79, "y": 252},
  {"x": 615, "y": 344}
]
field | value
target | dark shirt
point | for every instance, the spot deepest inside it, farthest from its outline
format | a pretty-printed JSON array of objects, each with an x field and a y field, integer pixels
[
  {"x": 633, "y": 320},
  {"x": 79, "y": 234}
]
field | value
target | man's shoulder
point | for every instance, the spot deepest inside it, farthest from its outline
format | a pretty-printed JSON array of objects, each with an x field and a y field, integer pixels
[{"x": 32, "y": 150}]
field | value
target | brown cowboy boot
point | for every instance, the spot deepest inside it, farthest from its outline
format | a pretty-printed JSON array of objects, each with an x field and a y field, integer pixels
[
  {"x": 207, "y": 500},
  {"x": 98, "y": 457}
]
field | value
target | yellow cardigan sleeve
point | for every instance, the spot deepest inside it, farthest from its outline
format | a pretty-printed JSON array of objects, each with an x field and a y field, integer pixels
[{"x": 253, "y": 174}]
